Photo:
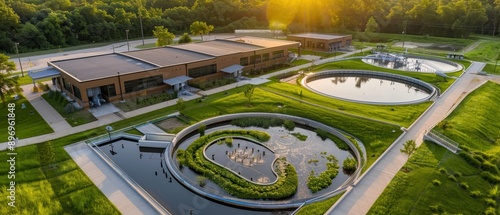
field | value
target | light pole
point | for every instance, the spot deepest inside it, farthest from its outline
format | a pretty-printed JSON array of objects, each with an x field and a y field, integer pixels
[
  {"x": 142, "y": 31},
  {"x": 128, "y": 47},
  {"x": 109, "y": 129},
  {"x": 120, "y": 84},
  {"x": 19, "y": 58}
]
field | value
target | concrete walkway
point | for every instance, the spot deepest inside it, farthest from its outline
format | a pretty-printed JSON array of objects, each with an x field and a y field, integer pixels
[
  {"x": 51, "y": 116},
  {"x": 370, "y": 186},
  {"x": 111, "y": 184},
  {"x": 150, "y": 129}
]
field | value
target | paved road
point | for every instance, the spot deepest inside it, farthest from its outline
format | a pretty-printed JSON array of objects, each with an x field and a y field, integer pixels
[{"x": 359, "y": 199}]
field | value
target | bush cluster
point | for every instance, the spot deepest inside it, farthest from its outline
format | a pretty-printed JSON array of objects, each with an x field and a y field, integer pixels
[
  {"x": 257, "y": 122},
  {"x": 476, "y": 194},
  {"x": 321, "y": 133},
  {"x": 206, "y": 85},
  {"x": 289, "y": 125},
  {"x": 299, "y": 136},
  {"x": 436, "y": 182},
  {"x": 285, "y": 186},
  {"x": 324, "y": 179},
  {"x": 349, "y": 165},
  {"x": 494, "y": 179}
]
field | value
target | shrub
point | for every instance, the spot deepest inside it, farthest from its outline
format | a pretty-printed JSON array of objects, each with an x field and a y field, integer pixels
[
  {"x": 476, "y": 194},
  {"x": 202, "y": 181},
  {"x": 436, "y": 182},
  {"x": 436, "y": 208},
  {"x": 490, "y": 211},
  {"x": 202, "y": 129},
  {"x": 321, "y": 133},
  {"x": 490, "y": 177},
  {"x": 349, "y": 165},
  {"x": 457, "y": 174},
  {"x": 299, "y": 136},
  {"x": 324, "y": 179},
  {"x": 470, "y": 159},
  {"x": 486, "y": 165},
  {"x": 289, "y": 125},
  {"x": 257, "y": 122},
  {"x": 464, "y": 185},
  {"x": 452, "y": 177},
  {"x": 443, "y": 170},
  {"x": 490, "y": 202}
]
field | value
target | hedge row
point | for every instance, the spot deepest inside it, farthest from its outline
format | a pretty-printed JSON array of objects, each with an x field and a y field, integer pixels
[
  {"x": 257, "y": 122},
  {"x": 285, "y": 186},
  {"x": 480, "y": 161}
]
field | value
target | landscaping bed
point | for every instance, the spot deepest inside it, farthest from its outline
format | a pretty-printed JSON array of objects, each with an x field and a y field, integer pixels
[{"x": 67, "y": 111}]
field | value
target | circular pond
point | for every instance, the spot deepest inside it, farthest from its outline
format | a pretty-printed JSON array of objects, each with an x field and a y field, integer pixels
[
  {"x": 370, "y": 87},
  {"x": 411, "y": 63},
  {"x": 261, "y": 163}
]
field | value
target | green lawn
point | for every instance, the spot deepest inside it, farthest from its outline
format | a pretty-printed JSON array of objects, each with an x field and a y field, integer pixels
[
  {"x": 28, "y": 124},
  {"x": 64, "y": 189},
  {"x": 79, "y": 117},
  {"x": 487, "y": 51},
  {"x": 414, "y": 192},
  {"x": 430, "y": 78},
  {"x": 320, "y": 207},
  {"x": 490, "y": 68},
  {"x": 402, "y": 115},
  {"x": 317, "y": 53},
  {"x": 474, "y": 123},
  {"x": 299, "y": 62},
  {"x": 146, "y": 46}
]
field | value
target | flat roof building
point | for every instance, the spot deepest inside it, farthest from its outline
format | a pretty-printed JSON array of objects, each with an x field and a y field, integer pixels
[
  {"x": 118, "y": 76},
  {"x": 322, "y": 42}
]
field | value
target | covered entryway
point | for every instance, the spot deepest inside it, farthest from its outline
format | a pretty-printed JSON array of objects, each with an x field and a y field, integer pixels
[
  {"x": 178, "y": 83},
  {"x": 235, "y": 70},
  {"x": 44, "y": 73}
]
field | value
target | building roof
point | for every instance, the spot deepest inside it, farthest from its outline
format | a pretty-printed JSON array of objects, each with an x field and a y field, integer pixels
[
  {"x": 319, "y": 36},
  {"x": 261, "y": 42},
  {"x": 232, "y": 69},
  {"x": 230, "y": 45},
  {"x": 168, "y": 56},
  {"x": 47, "y": 72},
  {"x": 101, "y": 66},
  {"x": 209, "y": 50},
  {"x": 176, "y": 80}
]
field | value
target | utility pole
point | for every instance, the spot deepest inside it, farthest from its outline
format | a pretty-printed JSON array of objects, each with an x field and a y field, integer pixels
[
  {"x": 19, "y": 58},
  {"x": 128, "y": 47},
  {"x": 142, "y": 31}
]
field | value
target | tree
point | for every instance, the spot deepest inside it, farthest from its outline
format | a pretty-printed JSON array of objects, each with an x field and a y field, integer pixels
[
  {"x": 200, "y": 28},
  {"x": 249, "y": 93},
  {"x": 371, "y": 25},
  {"x": 185, "y": 38},
  {"x": 164, "y": 37},
  {"x": 181, "y": 105},
  {"x": 46, "y": 152},
  {"x": 409, "y": 148},
  {"x": 8, "y": 83}
]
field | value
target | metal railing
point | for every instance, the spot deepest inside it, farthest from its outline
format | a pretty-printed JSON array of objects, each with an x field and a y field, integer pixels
[{"x": 443, "y": 140}]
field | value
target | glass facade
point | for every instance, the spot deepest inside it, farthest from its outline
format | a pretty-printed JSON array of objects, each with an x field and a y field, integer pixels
[
  {"x": 244, "y": 61},
  {"x": 108, "y": 90},
  {"x": 202, "y": 71},
  {"x": 77, "y": 93},
  {"x": 143, "y": 83},
  {"x": 278, "y": 54},
  {"x": 265, "y": 57}
]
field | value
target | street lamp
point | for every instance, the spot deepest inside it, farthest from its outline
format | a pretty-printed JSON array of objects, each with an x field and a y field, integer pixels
[
  {"x": 142, "y": 31},
  {"x": 128, "y": 47},
  {"x": 109, "y": 129},
  {"x": 19, "y": 58}
]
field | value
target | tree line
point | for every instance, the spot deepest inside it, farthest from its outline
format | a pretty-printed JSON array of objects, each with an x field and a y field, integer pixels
[{"x": 45, "y": 24}]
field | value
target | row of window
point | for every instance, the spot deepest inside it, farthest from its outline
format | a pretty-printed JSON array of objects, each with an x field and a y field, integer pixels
[
  {"x": 260, "y": 58},
  {"x": 143, "y": 83}
]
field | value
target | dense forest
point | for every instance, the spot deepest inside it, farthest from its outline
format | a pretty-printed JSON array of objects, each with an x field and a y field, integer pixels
[{"x": 44, "y": 24}]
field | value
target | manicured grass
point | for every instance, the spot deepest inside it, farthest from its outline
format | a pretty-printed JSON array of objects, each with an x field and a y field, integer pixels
[
  {"x": 320, "y": 207},
  {"x": 430, "y": 78},
  {"x": 76, "y": 118},
  {"x": 134, "y": 131},
  {"x": 28, "y": 121},
  {"x": 487, "y": 51},
  {"x": 146, "y": 46},
  {"x": 317, "y": 53},
  {"x": 490, "y": 68},
  {"x": 61, "y": 189},
  {"x": 402, "y": 115},
  {"x": 474, "y": 123},
  {"x": 414, "y": 192}
]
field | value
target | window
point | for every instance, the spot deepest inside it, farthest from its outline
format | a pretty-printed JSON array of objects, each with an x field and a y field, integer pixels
[
  {"x": 143, "y": 83},
  {"x": 278, "y": 54},
  {"x": 255, "y": 59},
  {"x": 77, "y": 93},
  {"x": 67, "y": 85},
  {"x": 265, "y": 57},
  {"x": 202, "y": 71},
  {"x": 244, "y": 61},
  {"x": 108, "y": 90}
]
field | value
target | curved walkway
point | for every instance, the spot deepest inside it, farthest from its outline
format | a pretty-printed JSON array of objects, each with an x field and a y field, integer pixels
[{"x": 370, "y": 186}]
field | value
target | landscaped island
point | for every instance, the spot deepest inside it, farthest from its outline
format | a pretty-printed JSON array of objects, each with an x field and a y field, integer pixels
[{"x": 285, "y": 186}]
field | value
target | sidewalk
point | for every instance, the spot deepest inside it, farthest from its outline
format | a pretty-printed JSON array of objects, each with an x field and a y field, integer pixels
[{"x": 370, "y": 186}]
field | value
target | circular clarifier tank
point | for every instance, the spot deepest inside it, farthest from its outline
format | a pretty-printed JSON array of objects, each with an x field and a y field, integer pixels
[
  {"x": 370, "y": 87},
  {"x": 412, "y": 63}
]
